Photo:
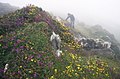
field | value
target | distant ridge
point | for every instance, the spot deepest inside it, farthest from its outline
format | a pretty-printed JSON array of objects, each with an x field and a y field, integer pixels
[{"x": 6, "y": 8}]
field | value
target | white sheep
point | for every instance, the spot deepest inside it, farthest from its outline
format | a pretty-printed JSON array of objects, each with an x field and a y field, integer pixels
[
  {"x": 107, "y": 44},
  {"x": 6, "y": 67},
  {"x": 56, "y": 41}
]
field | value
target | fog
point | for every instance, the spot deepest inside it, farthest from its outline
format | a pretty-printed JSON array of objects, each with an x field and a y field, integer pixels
[{"x": 91, "y": 12}]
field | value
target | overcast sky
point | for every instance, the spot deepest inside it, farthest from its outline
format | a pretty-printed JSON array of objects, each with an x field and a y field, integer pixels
[{"x": 103, "y": 12}]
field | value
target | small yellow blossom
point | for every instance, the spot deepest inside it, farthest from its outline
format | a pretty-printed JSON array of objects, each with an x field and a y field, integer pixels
[
  {"x": 31, "y": 48},
  {"x": 52, "y": 77},
  {"x": 78, "y": 65},
  {"x": 1, "y": 36},
  {"x": 30, "y": 71},
  {"x": 83, "y": 77},
  {"x": 25, "y": 57},
  {"x": 68, "y": 67},
  {"x": 35, "y": 61},
  {"x": 73, "y": 70},
  {"x": 76, "y": 74},
  {"x": 107, "y": 74},
  {"x": 20, "y": 66},
  {"x": 55, "y": 70},
  {"x": 114, "y": 68},
  {"x": 78, "y": 68},
  {"x": 32, "y": 60}
]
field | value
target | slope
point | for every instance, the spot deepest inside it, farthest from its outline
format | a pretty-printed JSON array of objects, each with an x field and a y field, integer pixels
[
  {"x": 28, "y": 51},
  {"x": 97, "y": 32}
]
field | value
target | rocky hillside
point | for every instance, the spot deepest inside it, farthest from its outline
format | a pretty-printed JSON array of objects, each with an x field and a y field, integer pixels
[
  {"x": 25, "y": 46},
  {"x": 94, "y": 32},
  {"x": 97, "y": 32},
  {"x": 6, "y": 8}
]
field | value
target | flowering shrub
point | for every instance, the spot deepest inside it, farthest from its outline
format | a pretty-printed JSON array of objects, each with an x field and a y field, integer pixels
[
  {"x": 29, "y": 53},
  {"x": 25, "y": 43}
]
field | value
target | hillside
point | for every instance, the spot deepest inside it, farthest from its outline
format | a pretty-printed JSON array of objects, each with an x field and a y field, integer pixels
[
  {"x": 6, "y": 8},
  {"x": 97, "y": 32},
  {"x": 94, "y": 32},
  {"x": 25, "y": 45}
]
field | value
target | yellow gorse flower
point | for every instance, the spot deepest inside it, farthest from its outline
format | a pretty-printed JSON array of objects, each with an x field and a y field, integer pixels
[
  {"x": 1, "y": 36},
  {"x": 72, "y": 55},
  {"x": 52, "y": 77},
  {"x": 55, "y": 70},
  {"x": 20, "y": 66},
  {"x": 25, "y": 57},
  {"x": 32, "y": 60},
  {"x": 30, "y": 71},
  {"x": 35, "y": 61},
  {"x": 67, "y": 67},
  {"x": 76, "y": 74}
]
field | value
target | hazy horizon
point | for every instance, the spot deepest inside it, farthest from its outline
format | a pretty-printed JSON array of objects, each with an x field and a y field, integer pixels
[{"x": 91, "y": 12}]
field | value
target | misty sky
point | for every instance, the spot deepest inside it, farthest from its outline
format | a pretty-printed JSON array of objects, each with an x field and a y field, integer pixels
[{"x": 92, "y": 12}]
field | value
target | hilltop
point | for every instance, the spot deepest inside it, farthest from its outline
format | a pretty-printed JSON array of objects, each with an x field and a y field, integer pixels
[{"x": 25, "y": 45}]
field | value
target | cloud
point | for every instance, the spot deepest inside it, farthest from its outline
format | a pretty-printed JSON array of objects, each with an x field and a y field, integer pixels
[{"x": 103, "y": 12}]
